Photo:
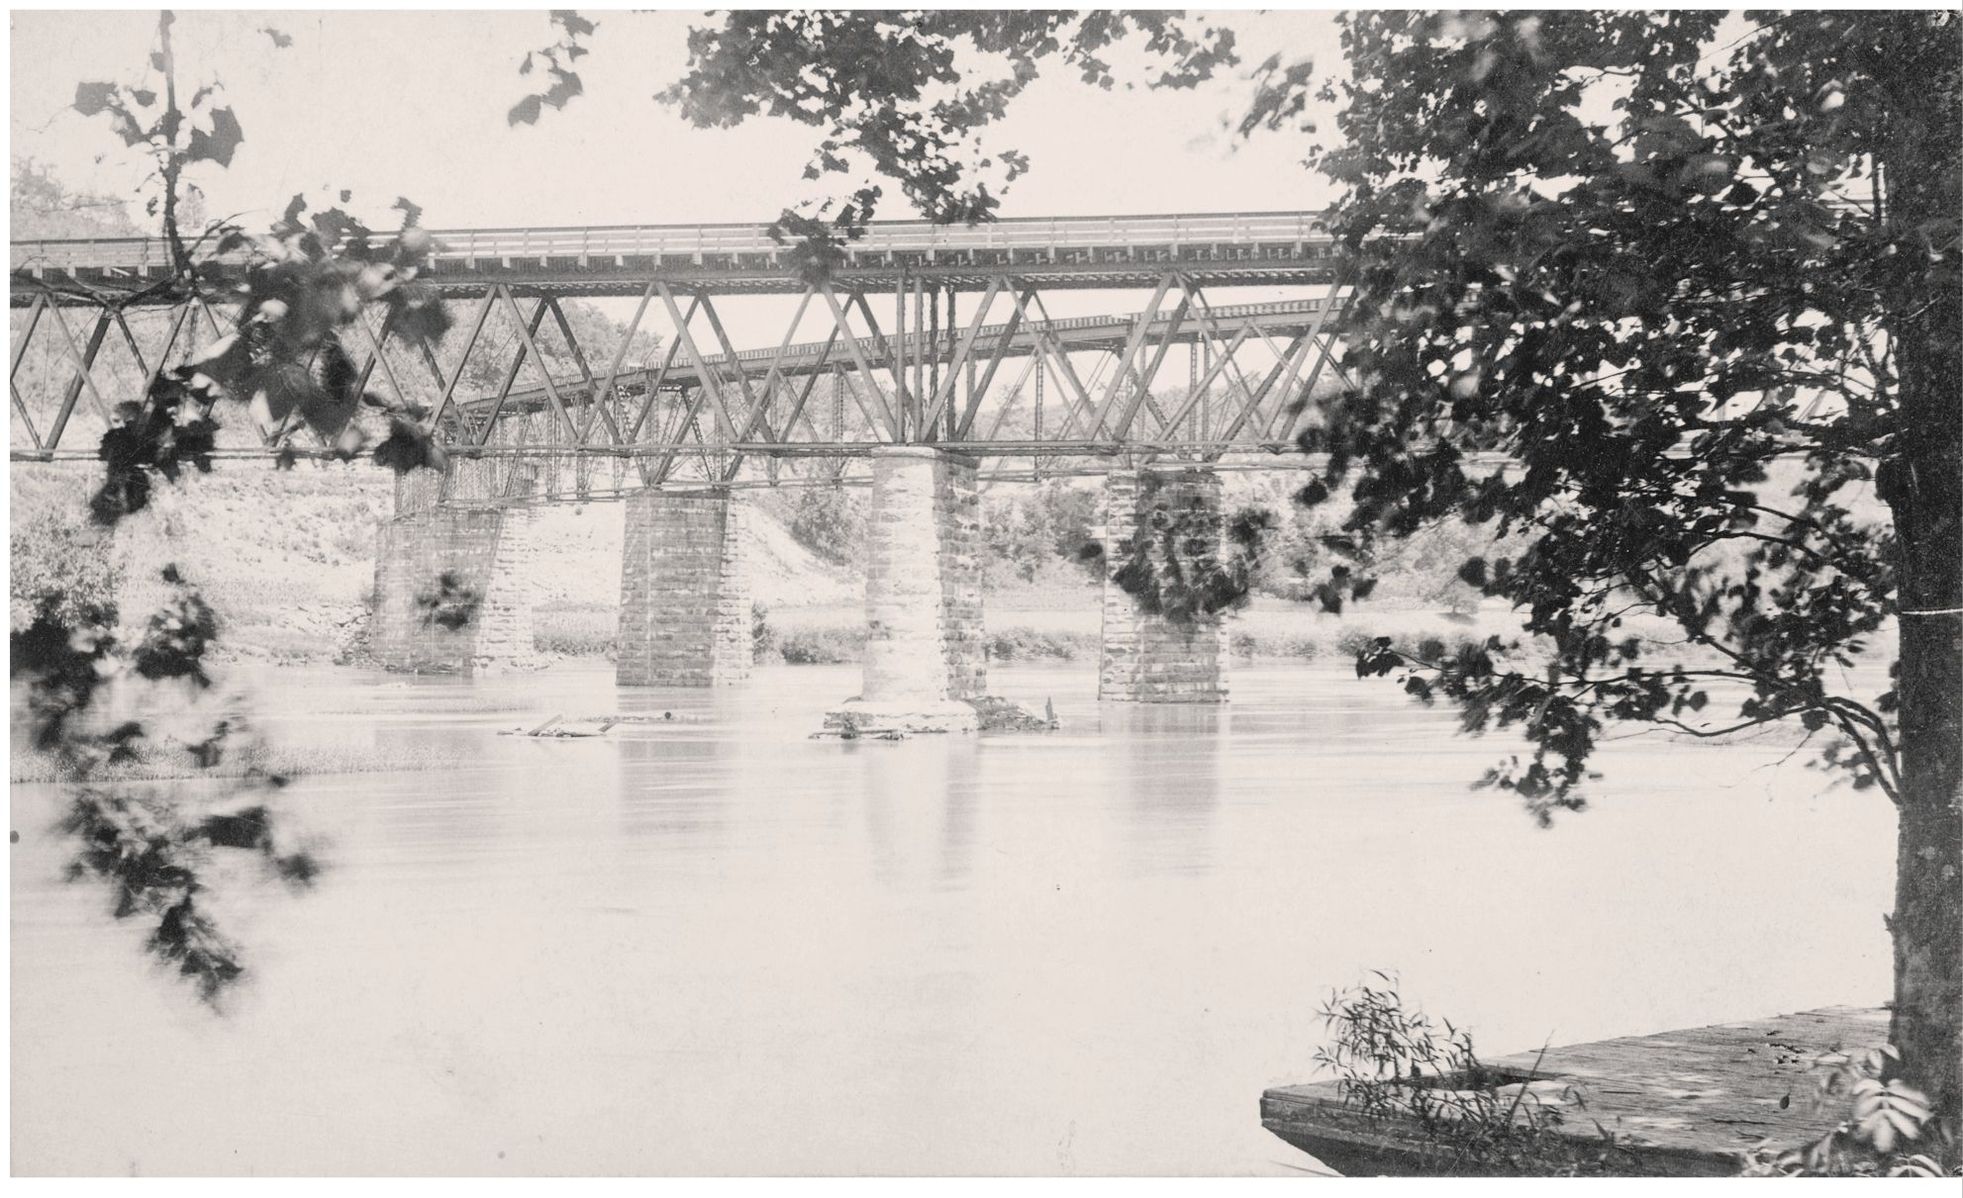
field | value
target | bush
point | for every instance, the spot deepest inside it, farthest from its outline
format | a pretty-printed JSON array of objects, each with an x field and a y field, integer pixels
[
  {"x": 1396, "y": 1064},
  {"x": 826, "y": 521},
  {"x": 55, "y": 565},
  {"x": 763, "y": 638},
  {"x": 821, "y": 646},
  {"x": 576, "y": 631},
  {"x": 1031, "y": 644}
]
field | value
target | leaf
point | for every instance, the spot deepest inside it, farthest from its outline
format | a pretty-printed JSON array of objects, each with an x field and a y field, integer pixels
[
  {"x": 574, "y": 24},
  {"x": 280, "y": 40},
  {"x": 218, "y": 145},
  {"x": 524, "y": 112},
  {"x": 92, "y": 98}
]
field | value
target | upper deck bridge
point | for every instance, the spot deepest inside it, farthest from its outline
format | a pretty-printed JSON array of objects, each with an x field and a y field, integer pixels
[{"x": 1213, "y": 249}]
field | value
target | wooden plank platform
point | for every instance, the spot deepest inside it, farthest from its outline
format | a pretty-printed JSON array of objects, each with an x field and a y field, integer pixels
[{"x": 1683, "y": 1103}]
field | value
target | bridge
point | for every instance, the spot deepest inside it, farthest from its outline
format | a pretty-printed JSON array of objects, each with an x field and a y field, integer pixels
[{"x": 969, "y": 377}]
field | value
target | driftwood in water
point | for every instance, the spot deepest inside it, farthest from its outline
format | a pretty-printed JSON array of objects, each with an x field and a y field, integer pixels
[{"x": 554, "y": 729}]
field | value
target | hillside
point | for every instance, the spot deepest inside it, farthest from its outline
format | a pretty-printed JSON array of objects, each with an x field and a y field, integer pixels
[{"x": 287, "y": 558}]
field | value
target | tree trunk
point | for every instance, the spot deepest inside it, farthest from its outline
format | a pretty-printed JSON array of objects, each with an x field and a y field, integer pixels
[
  {"x": 1927, "y": 496},
  {"x": 1922, "y": 481}
]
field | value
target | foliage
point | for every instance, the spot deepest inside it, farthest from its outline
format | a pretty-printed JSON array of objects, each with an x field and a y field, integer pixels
[
  {"x": 54, "y": 567},
  {"x": 1178, "y": 564},
  {"x": 821, "y": 646},
  {"x": 763, "y": 638},
  {"x": 1027, "y": 528},
  {"x": 1575, "y": 269},
  {"x": 558, "y": 58},
  {"x": 175, "y": 136},
  {"x": 451, "y": 604},
  {"x": 297, "y": 287},
  {"x": 148, "y": 851},
  {"x": 1397, "y": 1064},
  {"x": 1648, "y": 264},
  {"x": 895, "y": 94},
  {"x": 826, "y": 521},
  {"x": 1885, "y": 1118},
  {"x": 40, "y": 205}
]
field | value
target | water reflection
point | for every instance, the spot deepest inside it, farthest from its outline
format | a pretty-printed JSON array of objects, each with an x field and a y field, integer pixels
[
  {"x": 1165, "y": 760},
  {"x": 1085, "y": 951},
  {"x": 919, "y": 799}
]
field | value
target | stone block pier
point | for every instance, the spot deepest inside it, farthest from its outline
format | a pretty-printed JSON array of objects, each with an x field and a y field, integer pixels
[{"x": 685, "y": 601}]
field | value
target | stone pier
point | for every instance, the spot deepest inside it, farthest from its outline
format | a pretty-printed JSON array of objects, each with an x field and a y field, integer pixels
[
  {"x": 483, "y": 623},
  {"x": 685, "y": 615},
  {"x": 1146, "y": 658},
  {"x": 925, "y": 651}
]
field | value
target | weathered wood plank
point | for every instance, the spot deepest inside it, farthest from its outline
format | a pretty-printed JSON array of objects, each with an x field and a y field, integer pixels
[{"x": 1685, "y": 1103}]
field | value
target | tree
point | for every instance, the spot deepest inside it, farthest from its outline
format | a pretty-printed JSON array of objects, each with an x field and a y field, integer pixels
[
  {"x": 298, "y": 287},
  {"x": 40, "y": 205},
  {"x": 1657, "y": 265},
  {"x": 1744, "y": 267}
]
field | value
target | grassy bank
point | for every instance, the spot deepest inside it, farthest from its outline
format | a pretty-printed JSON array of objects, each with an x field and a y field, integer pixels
[
  {"x": 159, "y": 765},
  {"x": 836, "y": 635}
]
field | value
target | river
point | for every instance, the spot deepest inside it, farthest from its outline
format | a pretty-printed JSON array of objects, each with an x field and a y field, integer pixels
[{"x": 711, "y": 945}]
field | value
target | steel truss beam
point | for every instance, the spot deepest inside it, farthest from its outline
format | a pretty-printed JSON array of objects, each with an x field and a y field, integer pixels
[{"x": 705, "y": 412}]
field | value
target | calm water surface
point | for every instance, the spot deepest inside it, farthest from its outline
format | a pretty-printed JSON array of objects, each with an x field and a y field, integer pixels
[{"x": 716, "y": 946}]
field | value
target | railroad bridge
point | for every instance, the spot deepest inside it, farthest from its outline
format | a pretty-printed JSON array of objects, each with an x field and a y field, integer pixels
[{"x": 926, "y": 366}]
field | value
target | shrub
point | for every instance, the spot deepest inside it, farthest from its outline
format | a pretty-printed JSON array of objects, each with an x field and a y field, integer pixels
[
  {"x": 1031, "y": 644},
  {"x": 827, "y": 522},
  {"x": 1885, "y": 1118},
  {"x": 576, "y": 631},
  {"x": 821, "y": 646},
  {"x": 1394, "y": 1064},
  {"x": 763, "y": 638},
  {"x": 54, "y": 566}
]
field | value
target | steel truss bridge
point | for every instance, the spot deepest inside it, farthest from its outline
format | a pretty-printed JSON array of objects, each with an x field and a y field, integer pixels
[{"x": 923, "y": 335}]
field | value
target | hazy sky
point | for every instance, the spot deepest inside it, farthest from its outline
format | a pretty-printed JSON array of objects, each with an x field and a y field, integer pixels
[{"x": 414, "y": 104}]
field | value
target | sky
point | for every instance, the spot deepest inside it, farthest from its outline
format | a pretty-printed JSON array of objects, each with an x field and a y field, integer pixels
[
  {"x": 414, "y": 104},
  {"x": 394, "y": 104}
]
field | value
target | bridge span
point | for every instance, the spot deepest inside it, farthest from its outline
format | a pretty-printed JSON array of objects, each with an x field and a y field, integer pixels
[{"x": 968, "y": 369}]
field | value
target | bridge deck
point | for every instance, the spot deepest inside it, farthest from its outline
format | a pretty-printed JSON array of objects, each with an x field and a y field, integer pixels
[{"x": 1221, "y": 249}]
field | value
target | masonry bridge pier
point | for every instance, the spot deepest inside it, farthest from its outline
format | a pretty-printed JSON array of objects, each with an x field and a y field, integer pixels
[
  {"x": 970, "y": 380},
  {"x": 685, "y": 605}
]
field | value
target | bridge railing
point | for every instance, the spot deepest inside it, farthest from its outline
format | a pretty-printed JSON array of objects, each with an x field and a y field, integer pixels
[{"x": 695, "y": 241}]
